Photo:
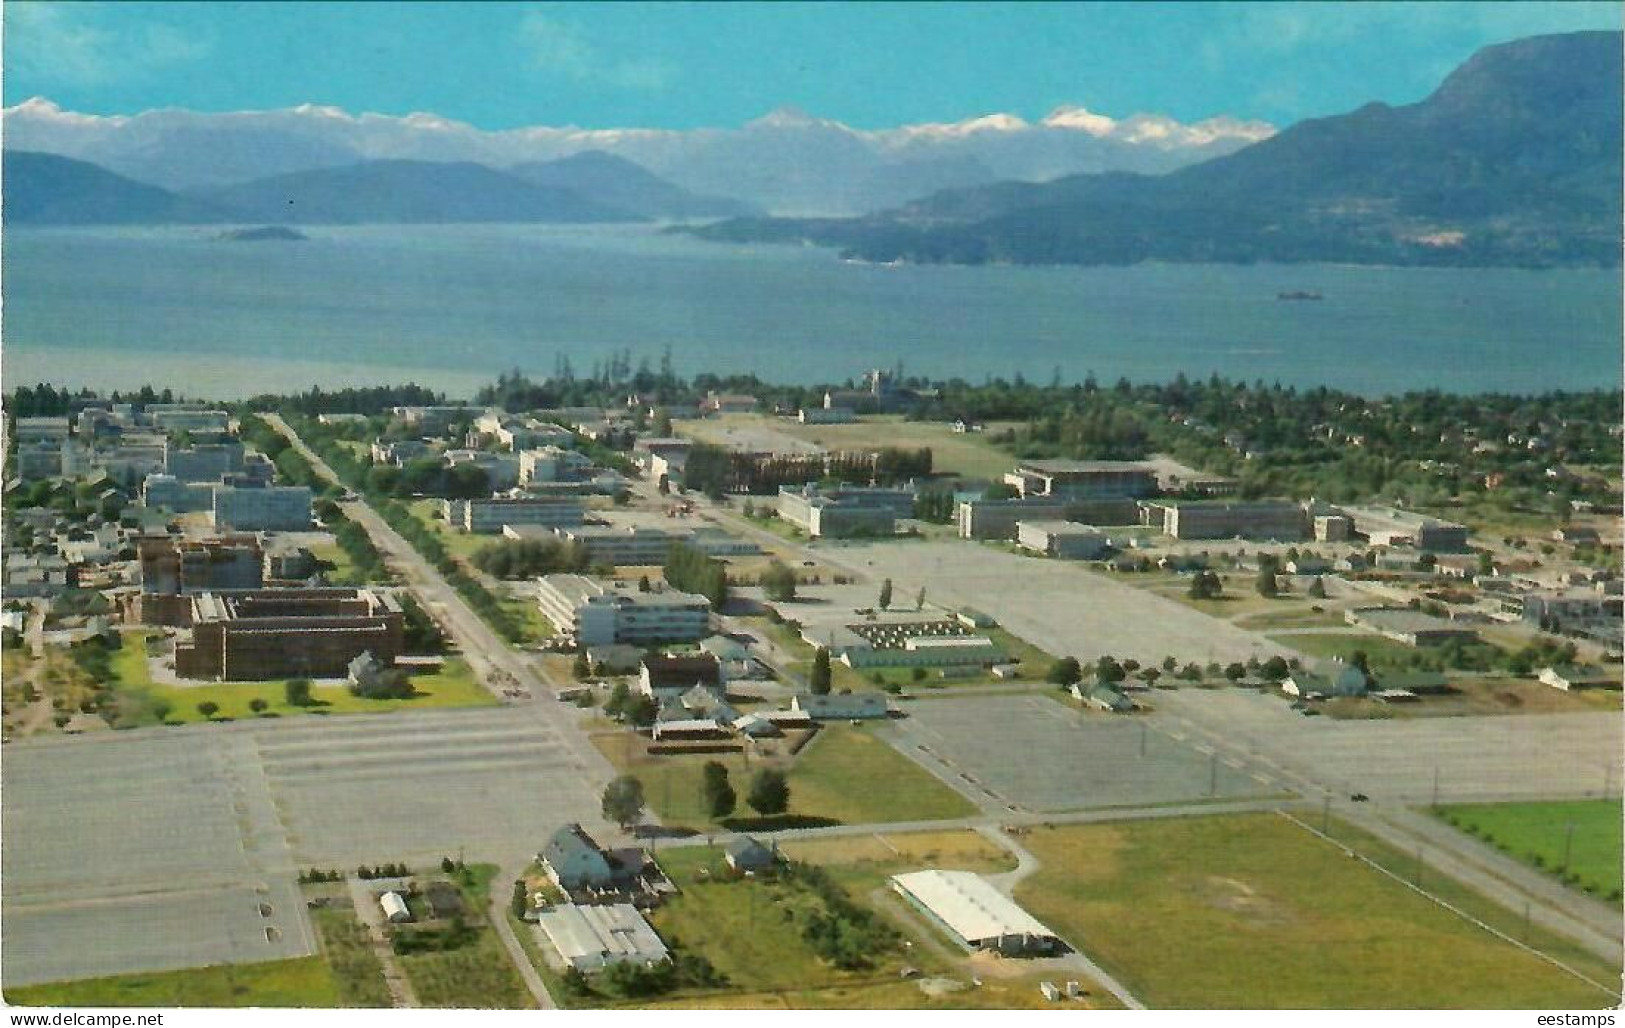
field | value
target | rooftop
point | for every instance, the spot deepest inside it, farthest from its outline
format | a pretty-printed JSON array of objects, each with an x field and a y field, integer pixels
[{"x": 969, "y": 905}]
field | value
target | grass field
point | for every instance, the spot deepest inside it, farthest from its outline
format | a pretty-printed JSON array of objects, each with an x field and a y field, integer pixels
[
  {"x": 1538, "y": 835},
  {"x": 348, "y": 950},
  {"x": 845, "y": 776},
  {"x": 1187, "y": 915},
  {"x": 305, "y": 982},
  {"x": 337, "y": 566},
  {"x": 477, "y": 975},
  {"x": 453, "y": 685},
  {"x": 458, "y": 544},
  {"x": 1380, "y": 651},
  {"x": 734, "y": 923}
]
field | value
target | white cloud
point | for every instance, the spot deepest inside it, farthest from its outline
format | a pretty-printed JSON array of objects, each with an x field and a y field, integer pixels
[
  {"x": 69, "y": 45},
  {"x": 563, "y": 49}
]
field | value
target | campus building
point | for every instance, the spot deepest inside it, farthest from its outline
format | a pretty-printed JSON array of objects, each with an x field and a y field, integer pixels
[
  {"x": 997, "y": 519},
  {"x": 173, "y": 570},
  {"x": 1067, "y": 540},
  {"x": 259, "y": 634},
  {"x": 486, "y": 517},
  {"x": 1222, "y": 519},
  {"x": 264, "y": 508},
  {"x": 1388, "y": 526},
  {"x": 1083, "y": 479},
  {"x": 845, "y": 512},
  {"x": 597, "y": 613}
]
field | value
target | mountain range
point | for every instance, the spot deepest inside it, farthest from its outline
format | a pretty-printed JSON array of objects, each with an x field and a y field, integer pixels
[
  {"x": 42, "y": 188},
  {"x": 1513, "y": 160},
  {"x": 786, "y": 162}
]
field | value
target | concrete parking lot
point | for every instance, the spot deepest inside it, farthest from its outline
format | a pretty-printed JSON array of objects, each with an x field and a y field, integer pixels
[
  {"x": 141, "y": 852},
  {"x": 1033, "y": 753},
  {"x": 1053, "y": 604},
  {"x": 170, "y": 848},
  {"x": 1502, "y": 757}
]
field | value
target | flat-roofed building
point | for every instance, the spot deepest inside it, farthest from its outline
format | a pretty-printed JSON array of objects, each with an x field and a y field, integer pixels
[
  {"x": 1222, "y": 519},
  {"x": 170, "y": 493},
  {"x": 1083, "y": 479},
  {"x": 1390, "y": 526},
  {"x": 591, "y": 937},
  {"x": 843, "y": 706},
  {"x": 173, "y": 570},
  {"x": 204, "y": 462},
  {"x": 845, "y": 512},
  {"x": 1411, "y": 627},
  {"x": 259, "y": 634},
  {"x": 266, "y": 508},
  {"x": 976, "y": 914},
  {"x": 486, "y": 517},
  {"x": 997, "y": 519},
  {"x": 1067, "y": 540},
  {"x": 597, "y": 613},
  {"x": 550, "y": 464},
  {"x": 631, "y": 545}
]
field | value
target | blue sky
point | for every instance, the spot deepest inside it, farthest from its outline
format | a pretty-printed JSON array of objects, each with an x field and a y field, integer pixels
[{"x": 501, "y": 65}]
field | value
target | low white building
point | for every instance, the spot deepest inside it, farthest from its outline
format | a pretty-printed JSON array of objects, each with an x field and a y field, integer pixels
[
  {"x": 394, "y": 907},
  {"x": 591, "y": 938},
  {"x": 975, "y": 913},
  {"x": 1067, "y": 540}
]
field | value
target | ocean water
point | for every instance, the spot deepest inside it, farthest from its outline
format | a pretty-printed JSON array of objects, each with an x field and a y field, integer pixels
[{"x": 451, "y": 306}]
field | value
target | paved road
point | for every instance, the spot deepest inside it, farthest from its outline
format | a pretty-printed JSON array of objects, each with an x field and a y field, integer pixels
[{"x": 492, "y": 660}]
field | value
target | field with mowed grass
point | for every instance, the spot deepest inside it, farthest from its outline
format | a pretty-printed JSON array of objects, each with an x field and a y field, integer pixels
[
  {"x": 1539, "y": 834},
  {"x": 143, "y": 701},
  {"x": 845, "y": 775},
  {"x": 1256, "y": 912},
  {"x": 305, "y": 982},
  {"x": 733, "y": 923}
]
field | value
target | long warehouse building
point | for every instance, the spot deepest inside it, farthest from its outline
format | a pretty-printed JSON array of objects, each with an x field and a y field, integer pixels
[{"x": 975, "y": 913}]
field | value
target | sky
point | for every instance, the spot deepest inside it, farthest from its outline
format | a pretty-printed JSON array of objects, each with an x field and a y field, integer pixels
[{"x": 679, "y": 65}]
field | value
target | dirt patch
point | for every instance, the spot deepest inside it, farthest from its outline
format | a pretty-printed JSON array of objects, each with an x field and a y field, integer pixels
[
  {"x": 939, "y": 987},
  {"x": 1237, "y": 897}
]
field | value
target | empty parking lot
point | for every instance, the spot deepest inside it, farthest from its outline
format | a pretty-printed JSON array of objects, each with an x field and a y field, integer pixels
[
  {"x": 169, "y": 848},
  {"x": 1498, "y": 757},
  {"x": 1032, "y": 753}
]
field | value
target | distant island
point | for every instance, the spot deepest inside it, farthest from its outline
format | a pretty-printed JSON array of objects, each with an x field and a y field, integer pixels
[{"x": 265, "y": 233}]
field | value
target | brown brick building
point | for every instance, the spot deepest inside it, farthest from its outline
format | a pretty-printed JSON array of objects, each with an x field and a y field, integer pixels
[{"x": 257, "y": 634}]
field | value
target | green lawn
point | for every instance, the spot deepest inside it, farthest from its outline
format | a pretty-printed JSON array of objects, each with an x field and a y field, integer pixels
[
  {"x": 847, "y": 775},
  {"x": 339, "y": 569},
  {"x": 140, "y": 698},
  {"x": 1380, "y": 651},
  {"x": 1188, "y": 914},
  {"x": 458, "y": 544},
  {"x": 1537, "y": 834},
  {"x": 478, "y": 975},
  {"x": 304, "y": 982},
  {"x": 528, "y": 617}
]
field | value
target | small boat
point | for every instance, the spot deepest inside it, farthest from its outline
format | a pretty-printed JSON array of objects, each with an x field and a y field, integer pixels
[{"x": 1299, "y": 294}]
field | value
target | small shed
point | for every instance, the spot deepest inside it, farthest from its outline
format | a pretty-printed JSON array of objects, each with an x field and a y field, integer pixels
[{"x": 394, "y": 907}]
